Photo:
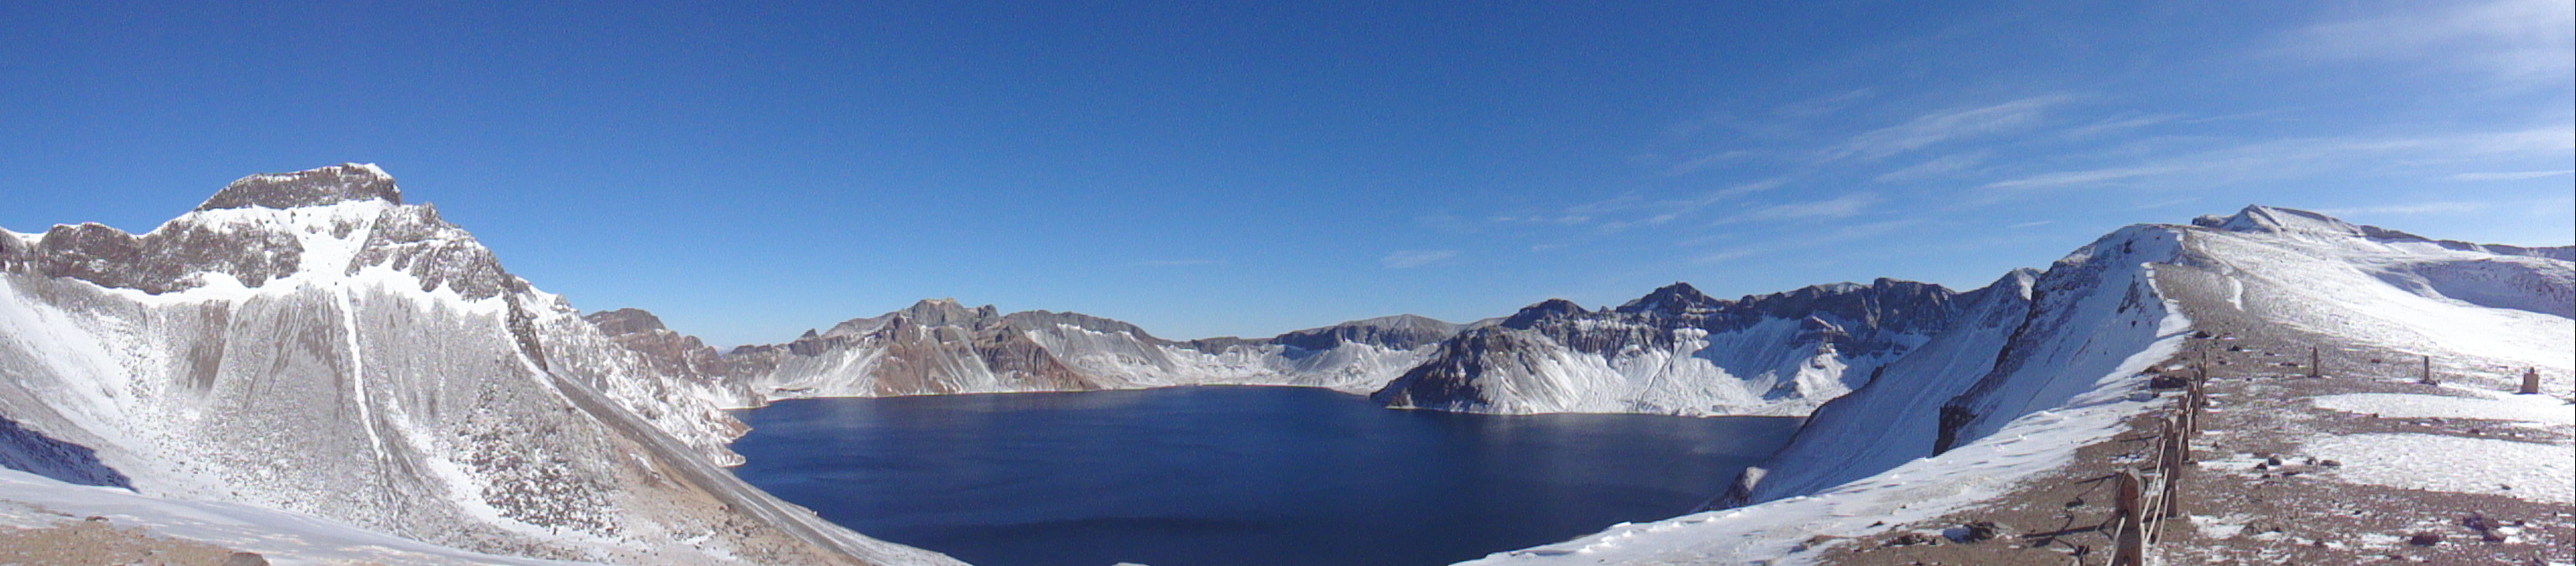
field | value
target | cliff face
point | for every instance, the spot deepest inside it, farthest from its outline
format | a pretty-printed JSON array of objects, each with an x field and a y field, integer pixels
[
  {"x": 939, "y": 347},
  {"x": 1677, "y": 351},
  {"x": 306, "y": 342}
]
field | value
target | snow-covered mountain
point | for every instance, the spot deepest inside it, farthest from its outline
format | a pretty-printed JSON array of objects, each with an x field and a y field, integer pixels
[
  {"x": 1677, "y": 351},
  {"x": 307, "y": 342},
  {"x": 2099, "y": 306},
  {"x": 939, "y": 346},
  {"x": 2049, "y": 363}
]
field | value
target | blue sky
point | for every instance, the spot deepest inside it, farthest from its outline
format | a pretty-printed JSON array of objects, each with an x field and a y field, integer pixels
[{"x": 1207, "y": 169}]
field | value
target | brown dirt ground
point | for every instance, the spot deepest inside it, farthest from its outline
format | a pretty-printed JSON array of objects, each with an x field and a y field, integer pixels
[{"x": 95, "y": 542}]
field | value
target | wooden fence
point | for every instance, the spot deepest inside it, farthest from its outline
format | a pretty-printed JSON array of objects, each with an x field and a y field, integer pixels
[{"x": 2146, "y": 502}]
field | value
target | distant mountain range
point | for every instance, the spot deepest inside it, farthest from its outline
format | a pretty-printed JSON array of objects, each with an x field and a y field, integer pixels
[{"x": 307, "y": 342}]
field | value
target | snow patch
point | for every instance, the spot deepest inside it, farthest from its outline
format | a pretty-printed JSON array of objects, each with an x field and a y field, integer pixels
[
  {"x": 2522, "y": 470},
  {"x": 2524, "y": 408}
]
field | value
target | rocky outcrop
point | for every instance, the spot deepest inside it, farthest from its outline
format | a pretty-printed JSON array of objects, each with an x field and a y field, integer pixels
[
  {"x": 308, "y": 343},
  {"x": 1679, "y": 351},
  {"x": 939, "y": 346}
]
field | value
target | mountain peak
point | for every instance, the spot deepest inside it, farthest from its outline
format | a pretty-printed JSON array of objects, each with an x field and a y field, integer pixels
[
  {"x": 1547, "y": 309},
  {"x": 2258, "y": 218},
  {"x": 947, "y": 311},
  {"x": 311, "y": 187},
  {"x": 1675, "y": 298},
  {"x": 624, "y": 321}
]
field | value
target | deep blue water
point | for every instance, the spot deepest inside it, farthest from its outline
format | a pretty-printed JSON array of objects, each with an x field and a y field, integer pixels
[{"x": 1232, "y": 476}]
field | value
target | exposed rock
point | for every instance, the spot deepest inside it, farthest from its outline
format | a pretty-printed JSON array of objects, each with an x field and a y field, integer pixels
[{"x": 312, "y": 187}]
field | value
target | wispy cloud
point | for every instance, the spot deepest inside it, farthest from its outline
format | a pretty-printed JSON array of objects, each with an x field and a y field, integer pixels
[
  {"x": 1702, "y": 162},
  {"x": 1835, "y": 236},
  {"x": 1632, "y": 210},
  {"x": 2513, "y": 39},
  {"x": 1936, "y": 167},
  {"x": 1823, "y": 105},
  {"x": 1174, "y": 262},
  {"x": 2294, "y": 156},
  {"x": 2081, "y": 177},
  {"x": 2418, "y": 208},
  {"x": 1409, "y": 259},
  {"x": 1926, "y": 130},
  {"x": 2032, "y": 224},
  {"x": 1838, "y": 207},
  {"x": 2509, "y": 176},
  {"x": 2122, "y": 123}
]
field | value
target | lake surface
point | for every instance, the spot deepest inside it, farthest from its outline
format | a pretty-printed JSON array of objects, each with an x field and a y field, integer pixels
[{"x": 1232, "y": 476}]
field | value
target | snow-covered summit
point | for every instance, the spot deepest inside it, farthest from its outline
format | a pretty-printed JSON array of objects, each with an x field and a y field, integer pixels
[
  {"x": 2276, "y": 220},
  {"x": 2258, "y": 218},
  {"x": 305, "y": 342}
]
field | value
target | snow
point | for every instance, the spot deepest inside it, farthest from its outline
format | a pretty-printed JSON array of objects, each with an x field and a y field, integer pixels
[
  {"x": 2077, "y": 384},
  {"x": 1918, "y": 491},
  {"x": 2533, "y": 471},
  {"x": 284, "y": 538},
  {"x": 350, "y": 392},
  {"x": 2540, "y": 409},
  {"x": 2379, "y": 292}
]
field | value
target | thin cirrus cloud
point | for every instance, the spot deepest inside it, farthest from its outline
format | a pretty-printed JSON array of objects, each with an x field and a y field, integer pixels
[
  {"x": 1936, "y": 167},
  {"x": 1409, "y": 259},
  {"x": 2509, "y": 175},
  {"x": 1937, "y": 127},
  {"x": 2513, "y": 39},
  {"x": 2295, "y": 156},
  {"x": 1839, "y": 207}
]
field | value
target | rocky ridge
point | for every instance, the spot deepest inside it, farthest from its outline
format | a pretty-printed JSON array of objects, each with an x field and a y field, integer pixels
[{"x": 307, "y": 342}]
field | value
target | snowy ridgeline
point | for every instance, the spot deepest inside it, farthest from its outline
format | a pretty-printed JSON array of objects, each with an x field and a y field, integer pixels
[
  {"x": 306, "y": 343},
  {"x": 1674, "y": 351},
  {"x": 2013, "y": 389}
]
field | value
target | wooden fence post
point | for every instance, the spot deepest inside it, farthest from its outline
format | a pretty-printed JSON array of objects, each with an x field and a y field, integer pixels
[
  {"x": 2530, "y": 382},
  {"x": 2129, "y": 543}
]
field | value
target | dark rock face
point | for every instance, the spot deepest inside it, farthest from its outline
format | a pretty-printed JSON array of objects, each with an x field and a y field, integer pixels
[
  {"x": 158, "y": 262},
  {"x": 1445, "y": 381},
  {"x": 317, "y": 187},
  {"x": 624, "y": 321},
  {"x": 918, "y": 343},
  {"x": 1846, "y": 318},
  {"x": 666, "y": 352},
  {"x": 1401, "y": 332},
  {"x": 414, "y": 240}
]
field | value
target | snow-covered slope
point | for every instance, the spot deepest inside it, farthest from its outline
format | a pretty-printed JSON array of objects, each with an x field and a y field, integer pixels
[
  {"x": 938, "y": 346},
  {"x": 2048, "y": 363},
  {"x": 306, "y": 342},
  {"x": 2059, "y": 381},
  {"x": 1677, "y": 351}
]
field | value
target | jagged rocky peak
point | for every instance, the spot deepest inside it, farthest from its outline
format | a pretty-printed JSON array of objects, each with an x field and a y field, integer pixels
[
  {"x": 310, "y": 187},
  {"x": 1911, "y": 306},
  {"x": 1543, "y": 311},
  {"x": 1677, "y": 298},
  {"x": 624, "y": 321},
  {"x": 947, "y": 312}
]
